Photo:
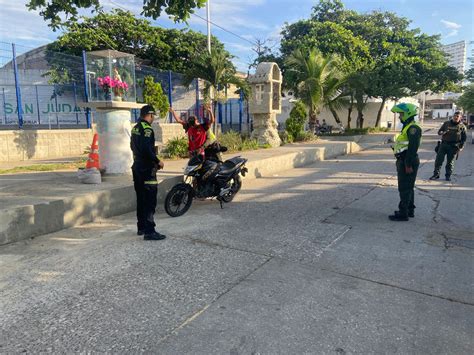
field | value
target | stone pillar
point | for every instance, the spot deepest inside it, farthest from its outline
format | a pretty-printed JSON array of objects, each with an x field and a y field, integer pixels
[
  {"x": 112, "y": 122},
  {"x": 265, "y": 103},
  {"x": 265, "y": 129},
  {"x": 113, "y": 127}
]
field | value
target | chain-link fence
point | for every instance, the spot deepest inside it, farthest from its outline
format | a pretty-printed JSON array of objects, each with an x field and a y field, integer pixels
[{"x": 40, "y": 88}]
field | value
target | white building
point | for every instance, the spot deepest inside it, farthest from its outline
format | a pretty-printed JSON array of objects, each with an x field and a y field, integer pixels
[{"x": 456, "y": 55}]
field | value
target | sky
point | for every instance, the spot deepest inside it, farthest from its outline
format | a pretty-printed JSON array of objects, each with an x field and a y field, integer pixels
[{"x": 249, "y": 20}]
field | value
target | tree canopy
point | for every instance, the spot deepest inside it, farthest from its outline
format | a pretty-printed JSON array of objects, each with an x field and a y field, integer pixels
[
  {"x": 393, "y": 59},
  {"x": 466, "y": 101},
  {"x": 165, "y": 49},
  {"x": 55, "y": 11}
]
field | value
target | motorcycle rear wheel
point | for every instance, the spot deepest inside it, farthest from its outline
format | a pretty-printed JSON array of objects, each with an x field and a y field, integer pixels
[
  {"x": 178, "y": 200},
  {"x": 235, "y": 187}
]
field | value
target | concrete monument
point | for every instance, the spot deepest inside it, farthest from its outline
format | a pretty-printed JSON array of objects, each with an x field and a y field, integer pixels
[
  {"x": 110, "y": 78},
  {"x": 265, "y": 103}
]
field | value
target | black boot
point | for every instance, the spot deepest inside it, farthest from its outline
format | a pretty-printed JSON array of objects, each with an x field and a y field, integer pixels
[
  {"x": 140, "y": 232},
  {"x": 154, "y": 236},
  {"x": 398, "y": 216},
  {"x": 448, "y": 177},
  {"x": 435, "y": 176}
]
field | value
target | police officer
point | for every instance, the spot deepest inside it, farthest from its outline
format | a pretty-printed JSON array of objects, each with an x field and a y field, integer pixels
[
  {"x": 453, "y": 137},
  {"x": 405, "y": 150},
  {"x": 144, "y": 168}
]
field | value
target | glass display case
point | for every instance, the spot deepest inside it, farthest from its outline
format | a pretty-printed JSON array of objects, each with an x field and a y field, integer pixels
[{"x": 110, "y": 76}]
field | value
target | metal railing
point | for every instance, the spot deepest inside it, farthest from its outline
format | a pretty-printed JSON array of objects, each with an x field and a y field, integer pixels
[{"x": 30, "y": 99}]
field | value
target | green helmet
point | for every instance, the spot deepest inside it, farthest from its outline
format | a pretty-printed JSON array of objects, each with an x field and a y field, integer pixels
[{"x": 408, "y": 110}]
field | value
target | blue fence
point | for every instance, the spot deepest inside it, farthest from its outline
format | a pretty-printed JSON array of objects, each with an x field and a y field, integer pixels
[{"x": 29, "y": 100}]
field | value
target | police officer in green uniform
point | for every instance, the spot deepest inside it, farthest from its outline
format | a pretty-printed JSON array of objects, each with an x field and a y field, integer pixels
[
  {"x": 453, "y": 136},
  {"x": 406, "y": 151},
  {"x": 144, "y": 168}
]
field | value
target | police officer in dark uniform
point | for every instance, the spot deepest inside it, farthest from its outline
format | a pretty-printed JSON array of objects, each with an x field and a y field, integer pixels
[
  {"x": 453, "y": 136},
  {"x": 405, "y": 149},
  {"x": 144, "y": 168}
]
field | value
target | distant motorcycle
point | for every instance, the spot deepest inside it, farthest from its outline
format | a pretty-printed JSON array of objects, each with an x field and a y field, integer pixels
[{"x": 206, "y": 178}]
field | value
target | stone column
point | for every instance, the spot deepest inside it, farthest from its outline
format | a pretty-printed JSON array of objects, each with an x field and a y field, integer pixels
[
  {"x": 114, "y": 127},
  {"x": 112, "y": 119},
  {"x": 265, "y": 129}
]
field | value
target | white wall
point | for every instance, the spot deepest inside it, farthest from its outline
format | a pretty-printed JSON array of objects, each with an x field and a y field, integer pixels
[{"x": 370, "y": 113}]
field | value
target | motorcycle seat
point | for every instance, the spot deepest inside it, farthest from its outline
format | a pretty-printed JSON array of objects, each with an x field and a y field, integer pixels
[{"x": 227, "y": 167}]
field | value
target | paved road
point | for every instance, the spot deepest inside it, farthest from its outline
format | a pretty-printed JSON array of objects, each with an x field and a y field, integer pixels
[{"x": 302, "y": 262}]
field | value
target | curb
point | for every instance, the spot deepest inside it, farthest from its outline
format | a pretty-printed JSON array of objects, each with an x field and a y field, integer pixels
[{"x": 30, "y": 221}]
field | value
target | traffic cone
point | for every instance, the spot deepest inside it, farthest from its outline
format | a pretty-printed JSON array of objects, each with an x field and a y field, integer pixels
[{"x": 93, "y": 160}]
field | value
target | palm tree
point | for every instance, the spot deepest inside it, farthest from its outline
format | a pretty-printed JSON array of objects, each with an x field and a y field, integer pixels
[
  {"x": 217, "y": 72},
  {"x": 316, "y": 80}
]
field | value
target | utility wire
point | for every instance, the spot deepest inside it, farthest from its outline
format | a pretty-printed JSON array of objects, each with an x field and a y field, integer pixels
[
  {"x": 202, "y": 18},
  {"x": 226, "y": 30}
]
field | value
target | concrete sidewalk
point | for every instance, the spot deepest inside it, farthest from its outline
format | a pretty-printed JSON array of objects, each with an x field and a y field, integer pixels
[
  {"x": 34, "y": 204},
  {"x": 302, "y": 262}
]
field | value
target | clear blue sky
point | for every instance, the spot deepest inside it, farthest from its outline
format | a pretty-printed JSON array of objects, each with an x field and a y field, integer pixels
[{"x": 262, "y": 19}]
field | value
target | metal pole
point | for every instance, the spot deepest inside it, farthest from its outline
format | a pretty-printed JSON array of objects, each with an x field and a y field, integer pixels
[
  {"x": 17, "y": 89},
  {"x": 248, "y": 118},
  {"x": 37, "y": 105},
  {"x": 4, "y": 105},
  {"x": 86, "y": 90},
  {"x": 170, "y": 98},
  {"x": 56, "y": 105},
  {"x": 422, "y": 118},
  {"x": 230, "y": 113},
  {"x": 226, "y": 104},
  {"x": 208, "y": 10},
  {"x": 219, "y": 106},
  {"x": 240, "y": 110},
  {"x": 75, "y": 101},
  {"x": 197, "y": 98}
]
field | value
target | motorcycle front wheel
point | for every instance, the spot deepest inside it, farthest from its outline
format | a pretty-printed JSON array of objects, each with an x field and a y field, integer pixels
[
  {"x": 236, "y": 184},
  {"x": 178, "y": 200}
]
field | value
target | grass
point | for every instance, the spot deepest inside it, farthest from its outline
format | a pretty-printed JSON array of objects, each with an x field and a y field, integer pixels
[
  {"x": 178, "y": 147},
  {"x": 45, "y": 167}
]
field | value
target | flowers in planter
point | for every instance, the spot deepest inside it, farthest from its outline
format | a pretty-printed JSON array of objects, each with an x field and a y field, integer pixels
[
  {"x": 120, "y": 87},
  {"x": 107, "y": 84}
]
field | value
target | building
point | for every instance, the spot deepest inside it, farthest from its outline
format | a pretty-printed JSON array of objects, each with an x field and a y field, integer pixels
[{"x": 456, "y": 53}]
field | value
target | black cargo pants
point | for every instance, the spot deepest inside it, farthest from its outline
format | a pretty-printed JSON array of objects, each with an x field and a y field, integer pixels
[{"x": 146, "y": 188}]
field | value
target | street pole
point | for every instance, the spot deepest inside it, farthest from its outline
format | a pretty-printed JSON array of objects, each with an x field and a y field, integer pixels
[
  {"x": 208, "y": 10},
  {"x": 422, "y": 118}
]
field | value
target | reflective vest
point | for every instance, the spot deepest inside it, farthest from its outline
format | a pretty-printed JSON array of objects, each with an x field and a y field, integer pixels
[
  {"x": 401, "y": 139},
  {"x": 210, "y": 135}
]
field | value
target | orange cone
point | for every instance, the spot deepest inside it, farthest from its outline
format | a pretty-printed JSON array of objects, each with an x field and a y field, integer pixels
[{"x": 93, "y": 160}]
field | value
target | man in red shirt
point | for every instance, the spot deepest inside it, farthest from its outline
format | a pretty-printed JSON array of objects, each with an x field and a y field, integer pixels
[{"x": 197, "y": 132}]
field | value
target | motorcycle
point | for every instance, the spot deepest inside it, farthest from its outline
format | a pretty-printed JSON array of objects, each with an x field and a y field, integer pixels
[{"x": 207, "y": 177}]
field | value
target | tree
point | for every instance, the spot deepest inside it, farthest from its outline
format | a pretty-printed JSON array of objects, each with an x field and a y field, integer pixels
[
  {"x": 469, "y": 75},
  {"x": 466, "y": 101},
  {"x": 380, "y": 47},
  {"x": 153, "y": 94},
  {"x": 165, "y": 49},
  {"x": 53, "y": 11},
  {"x": 315, "y": 79},
  {"x": 217, "y": 72},
  {"x": 263, "y": 50},
  {"x": 295, "y": 123}
]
